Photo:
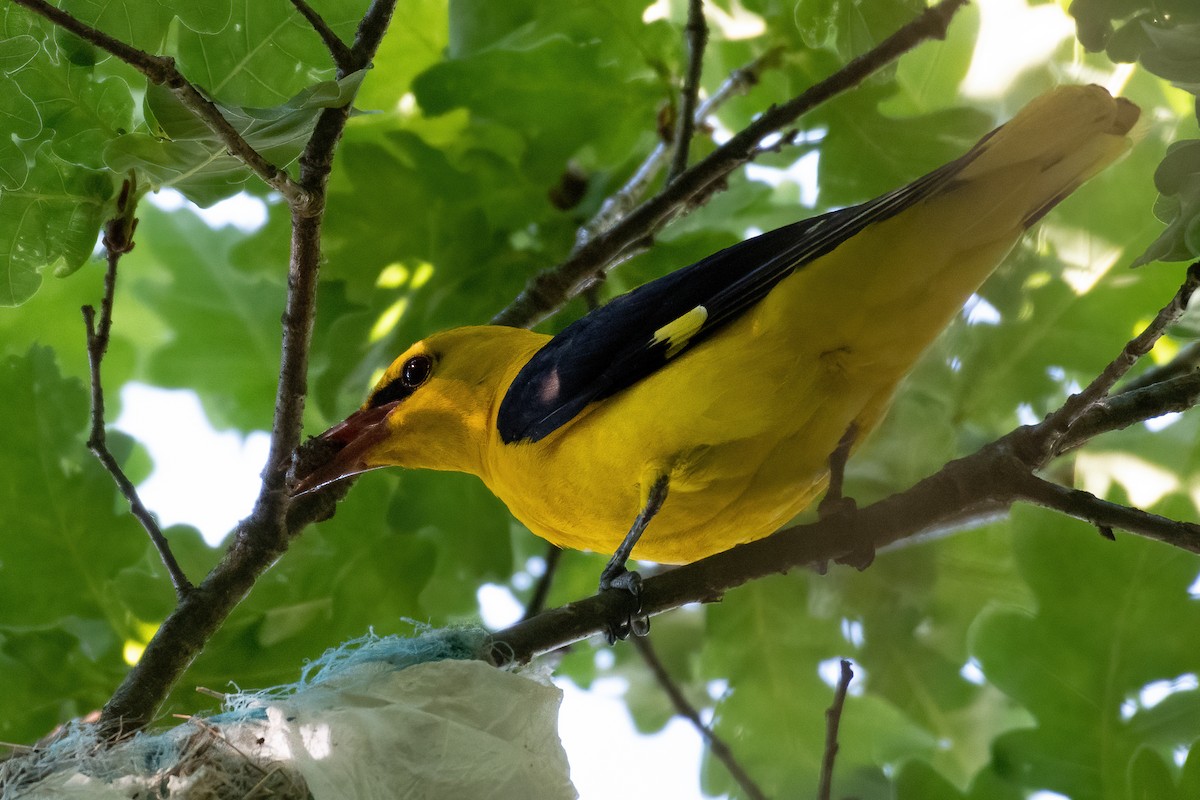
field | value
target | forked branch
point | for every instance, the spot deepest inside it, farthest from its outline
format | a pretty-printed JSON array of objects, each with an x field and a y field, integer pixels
[
  {"x": 162, "y": 71},
  {"x": 263, "y": 536}
]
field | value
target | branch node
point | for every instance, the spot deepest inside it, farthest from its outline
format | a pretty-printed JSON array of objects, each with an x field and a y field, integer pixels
[{"x": 1055, "y": 429}]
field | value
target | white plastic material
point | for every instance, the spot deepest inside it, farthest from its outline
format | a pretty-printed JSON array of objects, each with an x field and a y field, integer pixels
[{"x": 444, "y": 729}]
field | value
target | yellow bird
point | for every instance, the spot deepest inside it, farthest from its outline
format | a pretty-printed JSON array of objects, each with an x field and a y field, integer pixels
[{"x": 701, "y": 410}]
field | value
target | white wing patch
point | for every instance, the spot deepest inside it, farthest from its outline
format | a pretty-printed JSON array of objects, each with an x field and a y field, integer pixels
[{"x": 679, "y": 331}]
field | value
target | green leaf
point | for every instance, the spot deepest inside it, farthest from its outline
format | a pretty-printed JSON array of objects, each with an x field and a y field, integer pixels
[
  {"x": 141, "y": 24},
  {"x": 770, "y": 654},
  {"x": 14, "y": 165},
  {"x": 80, "y": 113},
  {"x": 225, "y": 325},
  {"x": 470, "y": 536},
  {"x": 61, "y": 647},
  {"x": 1150, "y": 778},
  {"x": 50, "y": 679},
  {"x": 919, "y": 781},
  {"x": 60, "y": 497},
  {"x": 73, "y": 107},
  {"x": 265, "y": 54},
  {"x": 1172, "y": 54},
  {"x": 16, "y": 52},
  {"x": 407, "y": 50},
  {"x": 52, "y": 220},
  {"x": 492, "y": 84},
  {"x": 1119, "y": 618},
  {"x": 929, "y": 76},
  {"x": 1178, "y": 181},
  {"x": 188, "y": 157},
  {"x": 202, "y": 16},
  {"x": 18, "y": 114},
  {"x": 912, "y": 147},
  {"x": 343, "y": 578}
]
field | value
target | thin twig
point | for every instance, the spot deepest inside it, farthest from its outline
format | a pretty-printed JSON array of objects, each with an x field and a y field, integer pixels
[
  {"x": 1058, "y": 423},
  {"x": 161, "y": 70},
  {"x": 316, "y": 163},
  {"x": 614, "y": 208},
  {"x": 118, "y": 240},
  {"x": 1127, "y": 408},
  {"x": 1186, "y": 361},
  {"x": 343, "y": 56},
  {"x": 549, "y": 290},
  {"x": 833, "y": 718},
  {"x": 1106, "y": 515},
  {"x": 697, "y": 38},
  {"x": 720, "y": 749},
  {"x": 537, "y": 602}
]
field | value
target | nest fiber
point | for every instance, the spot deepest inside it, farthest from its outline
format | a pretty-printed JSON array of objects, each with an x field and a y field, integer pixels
[{"x": 378, "y": 717}]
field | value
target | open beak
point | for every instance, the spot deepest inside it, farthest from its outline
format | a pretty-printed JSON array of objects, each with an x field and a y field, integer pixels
[{"x": 341, "y": 451}]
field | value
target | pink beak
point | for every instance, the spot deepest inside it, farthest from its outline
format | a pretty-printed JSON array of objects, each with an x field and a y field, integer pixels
[{"x": 342, "y": 450}]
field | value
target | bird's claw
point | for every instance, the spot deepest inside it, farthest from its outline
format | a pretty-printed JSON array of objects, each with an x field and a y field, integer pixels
[
  {"x": 861, "y": 557},
  {"x": 836, "y": 506},
  {"x": 634, "y": 622}
]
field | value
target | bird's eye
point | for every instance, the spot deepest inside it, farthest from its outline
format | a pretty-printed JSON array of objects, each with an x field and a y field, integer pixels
[{"x": 416, "y": 371}]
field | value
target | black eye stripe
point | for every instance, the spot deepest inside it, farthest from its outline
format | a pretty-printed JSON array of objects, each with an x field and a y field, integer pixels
[
  {"x": 393, "y": 391},
  {"x": 414, "y": 373}
]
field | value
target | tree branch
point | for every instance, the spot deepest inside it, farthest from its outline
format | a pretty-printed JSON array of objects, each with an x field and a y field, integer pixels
[
  {"x": 833, "y": 718},
  {"x": 1104, "y": 514},
  {"x": 263, "y": 536},
  {"x": 549, "y": 290},
  {"x": 343, "y": 56},
  {"x": 537, "y": 601},
  {"x": 161, "y": 70},
  {"x": 1077, "y": 404},
  {"x": 316, "y": 162},
  {"x": 1131, "y": 407},
  {"x": 697, "y": 38},
  {"x": 719, "y": 748},
  {"x": 1185, "y": 362},
  {"x": 118, "y": 240}
]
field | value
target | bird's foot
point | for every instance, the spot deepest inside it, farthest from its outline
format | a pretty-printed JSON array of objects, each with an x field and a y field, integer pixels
[
  {"x": 835, "y": 506},
  {"x": 860, "y": 557},
  {"x": 629, "y": 584}
]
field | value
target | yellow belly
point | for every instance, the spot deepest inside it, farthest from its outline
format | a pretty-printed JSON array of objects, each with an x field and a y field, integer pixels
[{"x": 743, "y": 426}]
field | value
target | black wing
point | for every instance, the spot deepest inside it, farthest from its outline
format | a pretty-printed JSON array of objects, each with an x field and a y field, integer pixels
[{"x": 620, "y": 343}]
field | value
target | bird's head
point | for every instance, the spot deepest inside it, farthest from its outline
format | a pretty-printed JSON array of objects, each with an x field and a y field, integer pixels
[{"x": 434, "y": 408}]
